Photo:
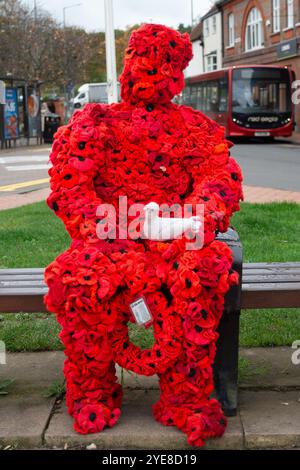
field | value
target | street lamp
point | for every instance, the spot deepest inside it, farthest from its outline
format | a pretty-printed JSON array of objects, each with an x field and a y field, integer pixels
[
  {"x": 66, "y": 8},
  {"x": 111, "y": 70}
]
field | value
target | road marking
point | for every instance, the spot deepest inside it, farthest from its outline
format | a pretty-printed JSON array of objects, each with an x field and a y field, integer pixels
[
  {"x": 45, "y": 149},
  {"x": 27, "y": 167},
  {"x": 24, "y": 159},
  {"x": 24, "y": 184}
]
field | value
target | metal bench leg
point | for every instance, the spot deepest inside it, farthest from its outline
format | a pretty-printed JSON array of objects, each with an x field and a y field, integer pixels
[{"x": 226, "y": 361}]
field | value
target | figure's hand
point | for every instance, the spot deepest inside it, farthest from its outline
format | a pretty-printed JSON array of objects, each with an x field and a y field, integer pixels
[{"x": 166, "y": 228}]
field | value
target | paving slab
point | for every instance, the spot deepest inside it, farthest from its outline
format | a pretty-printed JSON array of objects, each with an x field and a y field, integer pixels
[
  {"x": 23, "y": 419},
  {"x": 271, "y": 420},
  {"x": 269, "y": 368},
  {"x": 10, "y": 201},
  {"x": 257, "y": 194},
  {"x": 24, "y": 411},
  {"x": 32, "y": 371},
  {"x": 136, "y": 429}
]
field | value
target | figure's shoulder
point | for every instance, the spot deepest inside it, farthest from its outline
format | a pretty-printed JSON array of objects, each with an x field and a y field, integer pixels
[
  {"x": 83, "y": 135},
  {"x": 90, "y": 115},
  {"x": 194, "y": 118},
  {"x": 97, "y": 114}
]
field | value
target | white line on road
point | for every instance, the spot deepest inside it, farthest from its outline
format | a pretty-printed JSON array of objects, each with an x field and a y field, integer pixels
[
  {"x": 24, "y": 159},
  {"x": 27, "y": 167}
]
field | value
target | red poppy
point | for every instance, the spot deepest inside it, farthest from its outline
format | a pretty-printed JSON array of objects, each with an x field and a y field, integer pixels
[{"x": 90, "y": 419}]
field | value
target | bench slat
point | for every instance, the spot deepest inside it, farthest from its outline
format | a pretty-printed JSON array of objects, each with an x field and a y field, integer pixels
[
  {"x": 270, "y": 299},
  {"x": 23, "y": 290},
  {"x": 273, "y": 264},
  {"x": 276, "y": 271},
  {"x": 265, "y": 285},
  {"x": 271, "y": 278},
  {"x": 272, "y": 286},
  {"x": 27, "y": 271},
  {"x": 22, "y": 303},
  {"x": 21, "y": 283},
  {"x": 20, "y": 277},
  {"x": 255, "y": 281}
]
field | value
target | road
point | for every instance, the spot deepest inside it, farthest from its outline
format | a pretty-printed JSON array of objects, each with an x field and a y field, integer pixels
[
  {"x": 24, "y": 169},
  {"x": 271, "y": 165},
  {"x": 274, "y": 165}
]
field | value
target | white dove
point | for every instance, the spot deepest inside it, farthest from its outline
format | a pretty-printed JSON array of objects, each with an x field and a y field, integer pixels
[{"x": 162, "y": 228}]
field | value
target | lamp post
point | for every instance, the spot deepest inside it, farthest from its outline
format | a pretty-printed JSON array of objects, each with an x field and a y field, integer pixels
[
  {"x": 111, "y": 69},
  {"x": 35, "y": 11},
  {"x": 66, "y": 8}
]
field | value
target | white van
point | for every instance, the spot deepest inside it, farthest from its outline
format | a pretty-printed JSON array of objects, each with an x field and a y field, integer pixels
[{"x": 92, "y": 93}]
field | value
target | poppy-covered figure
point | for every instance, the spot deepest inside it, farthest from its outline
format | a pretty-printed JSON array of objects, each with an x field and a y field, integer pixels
[{"x": 147, "y": 149}]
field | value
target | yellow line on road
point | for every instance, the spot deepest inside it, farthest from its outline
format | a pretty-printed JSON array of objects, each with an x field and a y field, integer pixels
[{"x": 24, "y": 184}]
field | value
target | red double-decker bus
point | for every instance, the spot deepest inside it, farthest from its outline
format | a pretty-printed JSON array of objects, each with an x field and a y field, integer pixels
[{"x": 250, "y": 100}]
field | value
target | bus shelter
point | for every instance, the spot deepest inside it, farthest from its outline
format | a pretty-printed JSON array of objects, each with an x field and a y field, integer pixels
[{"x": 20, "y": 111}]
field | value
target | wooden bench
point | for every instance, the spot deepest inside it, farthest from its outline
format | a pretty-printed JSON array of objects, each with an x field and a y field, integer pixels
[{"x": 263, "y": 285}]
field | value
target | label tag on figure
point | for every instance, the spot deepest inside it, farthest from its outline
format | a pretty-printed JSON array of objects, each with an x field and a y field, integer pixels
[{"x": 140, "y": 311}]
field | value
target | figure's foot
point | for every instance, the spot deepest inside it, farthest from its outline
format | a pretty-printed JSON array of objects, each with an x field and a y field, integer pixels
[
  {"x": 199, "y": 422},
  {"x": 93, "y": 418},
  {"x": 200, "y": 426}
]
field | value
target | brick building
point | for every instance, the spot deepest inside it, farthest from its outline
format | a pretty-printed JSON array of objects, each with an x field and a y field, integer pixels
[{"x": 262, "y": 32}]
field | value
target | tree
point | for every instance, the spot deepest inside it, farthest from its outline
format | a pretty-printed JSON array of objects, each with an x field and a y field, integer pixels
[
  {"x": 34, "y": 46},
  {"x": 184, "y": 29}
]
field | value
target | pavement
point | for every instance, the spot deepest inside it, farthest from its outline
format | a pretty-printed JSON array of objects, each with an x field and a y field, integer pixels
[
  {"x": 268, "y": 415},
  {"x": 252, "y": 194}
]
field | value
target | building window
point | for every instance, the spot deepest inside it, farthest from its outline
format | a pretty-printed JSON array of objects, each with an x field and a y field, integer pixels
[
  {"x": 211, "y": 62},
  {"x": 231, "y": 30},
  {"x": 254, "y": 30},
  {"x": 214, "y": 24},
  {"x": 276, "y": 16},
  {"x": 290, "y": 13},
  {"x": 206, "y": 27}
]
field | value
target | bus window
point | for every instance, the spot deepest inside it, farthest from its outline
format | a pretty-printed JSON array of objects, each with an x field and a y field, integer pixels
[
  {"x": 260, "y": 89},
  {"x": 213, "y": 98},
  {"x": 223, "y": 96},
  {"x": 209, "y": 96}
]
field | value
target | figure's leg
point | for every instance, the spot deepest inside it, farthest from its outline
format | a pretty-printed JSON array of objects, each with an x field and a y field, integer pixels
[
  {"x": 185, "y": 396},
  {"x": 198, "y": 290},
  {"x": 80, "y": 296},
  {"x": 93, "y": 395}
]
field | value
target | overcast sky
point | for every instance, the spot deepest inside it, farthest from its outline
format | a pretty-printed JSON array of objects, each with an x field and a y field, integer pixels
[{"x": 90, "y": 14}]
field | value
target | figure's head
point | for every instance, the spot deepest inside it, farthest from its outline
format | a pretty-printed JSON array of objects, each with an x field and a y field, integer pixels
[{"x": 153, "y": 66}]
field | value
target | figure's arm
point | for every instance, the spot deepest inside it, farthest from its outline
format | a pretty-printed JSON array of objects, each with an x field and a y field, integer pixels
[
  {"x": 77, "y": 155},
  {"x": 217, "y": 183}
]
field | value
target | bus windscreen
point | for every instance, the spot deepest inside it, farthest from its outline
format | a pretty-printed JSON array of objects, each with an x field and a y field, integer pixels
[{"x": 260, "y": 90}]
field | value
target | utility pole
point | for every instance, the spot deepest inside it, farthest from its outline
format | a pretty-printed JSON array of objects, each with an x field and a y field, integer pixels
[
  {"x": 192, "y": 12},
  {"x": 111, "y": 69},
  {"x": 35, "y": 11}
]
